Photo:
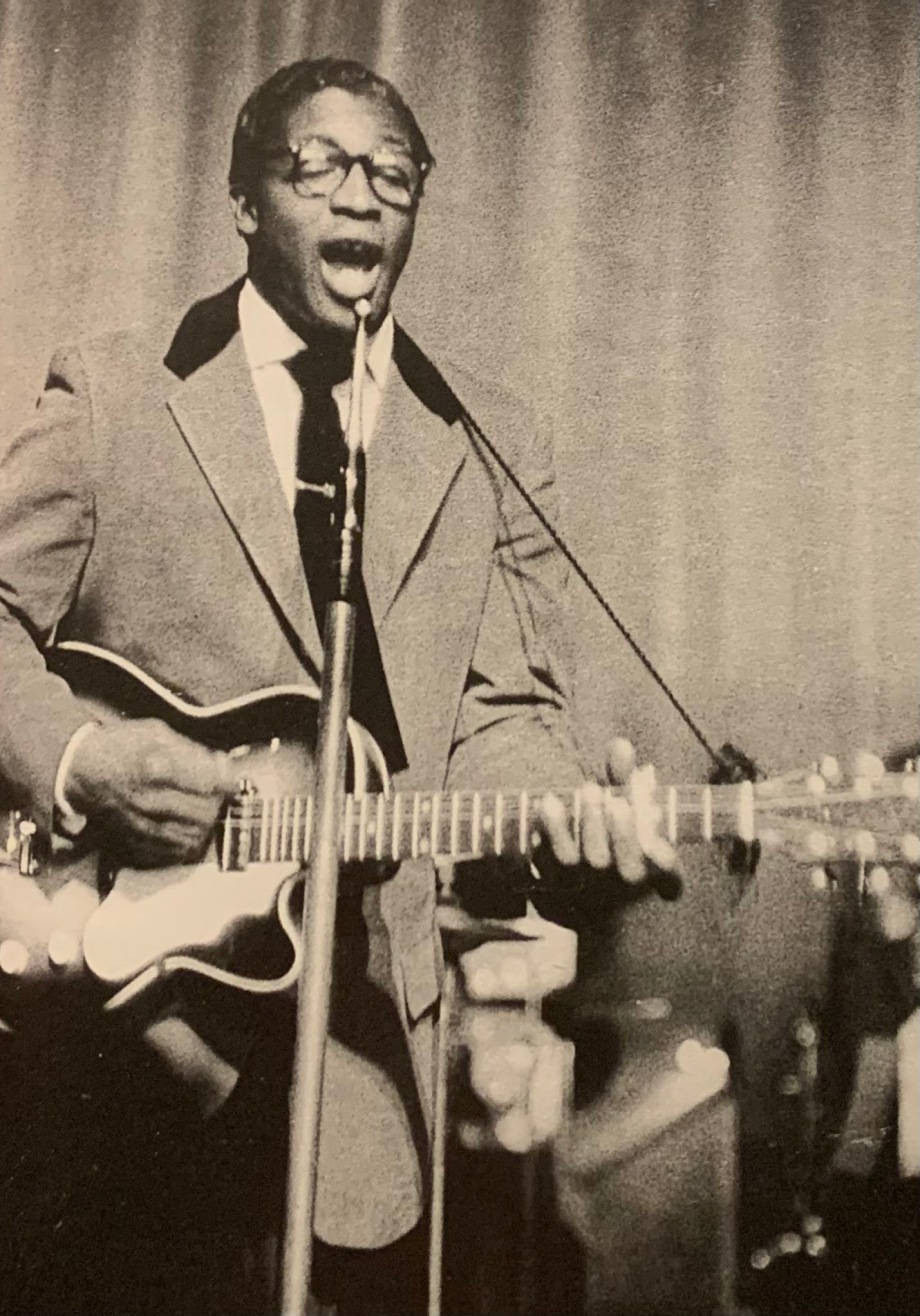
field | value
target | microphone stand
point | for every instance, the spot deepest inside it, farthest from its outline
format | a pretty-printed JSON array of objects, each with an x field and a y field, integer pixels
[{"x": 321, "y": 888}]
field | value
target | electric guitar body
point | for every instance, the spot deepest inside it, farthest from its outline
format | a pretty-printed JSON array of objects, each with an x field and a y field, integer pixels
[
  {"x": 75, "y": 922},
  {"x": 78, "y": 919}
]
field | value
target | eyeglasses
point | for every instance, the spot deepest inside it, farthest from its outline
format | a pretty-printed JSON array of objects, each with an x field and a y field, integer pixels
[{"x": 319, "y": 168}]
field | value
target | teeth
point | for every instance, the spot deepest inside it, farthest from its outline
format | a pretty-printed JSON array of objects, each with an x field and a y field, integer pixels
[{"x": 360, "y": 255}]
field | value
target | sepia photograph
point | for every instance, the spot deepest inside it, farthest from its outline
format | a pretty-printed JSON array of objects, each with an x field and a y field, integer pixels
[{"x": 459, "y": 658}]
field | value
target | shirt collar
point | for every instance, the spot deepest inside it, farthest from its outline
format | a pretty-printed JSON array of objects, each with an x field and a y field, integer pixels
[{"x": 267, "y": 339}]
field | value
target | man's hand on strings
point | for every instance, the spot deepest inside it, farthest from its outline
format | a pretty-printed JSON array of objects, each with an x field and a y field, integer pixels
[{"x": 618, "y": 831}]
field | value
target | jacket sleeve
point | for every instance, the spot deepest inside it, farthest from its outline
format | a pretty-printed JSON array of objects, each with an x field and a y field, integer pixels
[
  {"x": 514, "y": 726},
  {"x": 46, "y": 531}
]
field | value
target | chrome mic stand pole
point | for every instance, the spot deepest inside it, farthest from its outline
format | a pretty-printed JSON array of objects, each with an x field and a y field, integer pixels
[{"x": 321, "y": 890}]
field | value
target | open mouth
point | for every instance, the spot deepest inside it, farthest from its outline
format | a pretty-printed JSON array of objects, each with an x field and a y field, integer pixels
[{"x": 350, "y": 267}]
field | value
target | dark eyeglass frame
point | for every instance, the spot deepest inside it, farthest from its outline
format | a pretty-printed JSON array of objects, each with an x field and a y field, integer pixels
[{"x": 344, "y": 162}]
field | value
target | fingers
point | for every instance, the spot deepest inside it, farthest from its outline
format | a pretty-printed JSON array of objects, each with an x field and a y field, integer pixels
[
  {"x": 179, "y": 764},
  {"x": 621, "y": 761},
  {"x": 553, "y": 825},
  {"x": 609, "y": 830},
  {"x": 154, "y": 794},
  {"x": 630, "y": 860},
  {"x": 605, "y": 834}
]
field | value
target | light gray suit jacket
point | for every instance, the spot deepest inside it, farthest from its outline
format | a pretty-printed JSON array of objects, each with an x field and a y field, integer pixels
[{"x": 141, "y": 510}]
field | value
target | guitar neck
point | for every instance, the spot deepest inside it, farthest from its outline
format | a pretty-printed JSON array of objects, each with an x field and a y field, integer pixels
[{"x": 458, "y": 825}]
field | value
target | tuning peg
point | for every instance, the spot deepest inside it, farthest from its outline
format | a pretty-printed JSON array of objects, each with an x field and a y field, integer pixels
[
  {"x": 864, "y": 845},
  {"x": 878, "y": 881},
  {"x": 868, "y": 770},
  {"x": 910, "y": 847},
  {"x": 818, "y": 844},
  {"x": 897, "y": 917},
  {"x": 829, "y": 768}
]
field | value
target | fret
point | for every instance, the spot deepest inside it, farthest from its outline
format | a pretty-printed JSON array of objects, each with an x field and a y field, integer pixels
[
  {"x": 671, "y": 814},
  {"x": 362, "y": 828},
  {"x": 349, "y": 822},
  {"x": 415, "y": 821},
  {"x": 523, "y": 824},
  {"x": 476, "y": 827},
  {"x": 263, "y": 833},
  {"x": 706, "y": 819},
  {"x": 379, "y": 826},
  {"x": 454, "y": 823},
  {"x": 397, "y": 824},
  {"x": 499, "y": 821},
  {"x": 296, "y": 831},
  {"x": 308, "y": 830},
  {"x": 745, "y": 815},
  {"x": 243, "y": 845},
  {"x": 226, "y": 849},
  {"x": 435, "y": 831},
  {"x": 273, "y": 840},
  {"x": 285, "y": 827},
  {"x": 487, "y": 827}
]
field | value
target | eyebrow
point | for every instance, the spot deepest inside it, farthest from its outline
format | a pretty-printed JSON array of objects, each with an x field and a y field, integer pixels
[{"x": 387, "y": 140}]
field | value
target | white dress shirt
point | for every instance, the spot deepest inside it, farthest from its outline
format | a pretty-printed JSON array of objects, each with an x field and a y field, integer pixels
[{"x": 268, "y": 343}]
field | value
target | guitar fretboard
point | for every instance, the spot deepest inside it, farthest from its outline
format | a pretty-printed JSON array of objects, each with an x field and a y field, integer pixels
[{"x": 458, "y": 825}]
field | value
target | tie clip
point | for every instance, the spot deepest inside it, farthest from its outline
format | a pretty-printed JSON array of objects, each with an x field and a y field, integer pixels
[{"x": 324, "y": 490}]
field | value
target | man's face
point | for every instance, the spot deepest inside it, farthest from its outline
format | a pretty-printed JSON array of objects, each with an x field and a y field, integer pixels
[{"x": 313, "y": 257}]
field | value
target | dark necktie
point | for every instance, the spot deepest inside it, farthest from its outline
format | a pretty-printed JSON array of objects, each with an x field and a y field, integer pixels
[{"x": 321, "y": 460}]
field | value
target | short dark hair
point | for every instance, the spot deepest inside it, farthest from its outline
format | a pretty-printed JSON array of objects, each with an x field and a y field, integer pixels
[{"x": 260, "y": 122}]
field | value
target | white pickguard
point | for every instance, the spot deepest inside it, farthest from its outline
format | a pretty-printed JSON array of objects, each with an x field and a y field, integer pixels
[{"x": 150, "y": 914}]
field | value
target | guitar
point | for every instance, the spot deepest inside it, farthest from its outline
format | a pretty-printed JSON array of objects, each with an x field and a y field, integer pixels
[{"x": 71, "y": 914}]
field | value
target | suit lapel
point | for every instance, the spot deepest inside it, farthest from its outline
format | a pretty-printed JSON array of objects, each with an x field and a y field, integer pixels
[
  {"x": 411, "y": 464},
  {"x": 217, "y": 410}
]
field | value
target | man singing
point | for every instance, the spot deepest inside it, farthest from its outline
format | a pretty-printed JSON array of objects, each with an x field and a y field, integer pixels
[{"x": 170, "y": 503}]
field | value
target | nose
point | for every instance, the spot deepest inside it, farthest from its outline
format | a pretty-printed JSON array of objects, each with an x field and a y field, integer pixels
[{"x": 354, "y": 193}]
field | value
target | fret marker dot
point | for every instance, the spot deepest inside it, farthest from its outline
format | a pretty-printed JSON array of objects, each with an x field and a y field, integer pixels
[
  {"x": 426, "y": 808},
  {"x": 371, "y": 827},
  {"x": 535, "y": 839},
  {"x": 487, "y": 823},
  {"x": 423, "y": 846}
]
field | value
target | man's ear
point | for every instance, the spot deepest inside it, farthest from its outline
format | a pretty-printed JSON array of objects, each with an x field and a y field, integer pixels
[{"x": 245, "y": 214}]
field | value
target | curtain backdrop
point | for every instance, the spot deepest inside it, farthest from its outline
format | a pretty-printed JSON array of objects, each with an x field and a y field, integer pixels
[{"x": 685, "y": 229}]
